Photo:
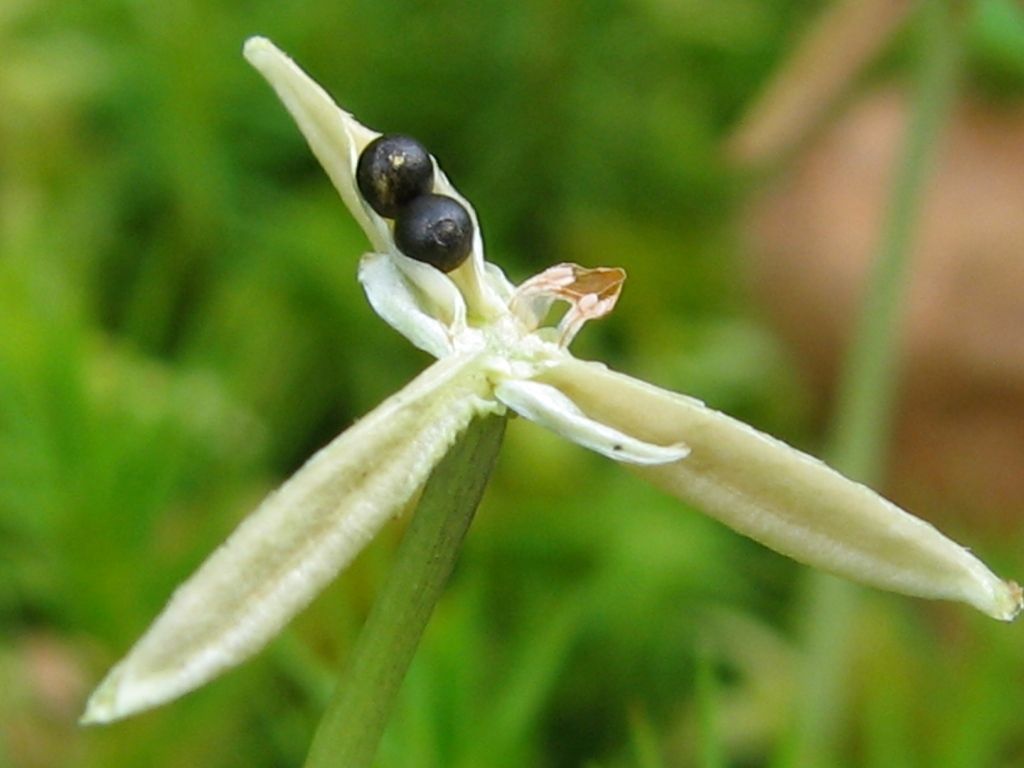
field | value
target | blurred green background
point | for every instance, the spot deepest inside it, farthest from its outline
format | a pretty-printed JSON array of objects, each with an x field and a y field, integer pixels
[{"x": 180, "y": 327}]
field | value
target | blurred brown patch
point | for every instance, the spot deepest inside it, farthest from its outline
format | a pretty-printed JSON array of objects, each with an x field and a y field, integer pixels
[
  {"x": 959, "y": 432},
  {"x": 44, "y": 686}
]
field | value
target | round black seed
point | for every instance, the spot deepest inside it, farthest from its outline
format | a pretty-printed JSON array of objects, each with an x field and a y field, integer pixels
[
  {"x": 392, "y": 170},
  {"x": 435, "y": 229}
]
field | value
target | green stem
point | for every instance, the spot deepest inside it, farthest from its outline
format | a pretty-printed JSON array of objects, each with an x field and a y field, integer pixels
[
  {"x": 869, "y": 384},
  {"x": 356, "y": 716}
]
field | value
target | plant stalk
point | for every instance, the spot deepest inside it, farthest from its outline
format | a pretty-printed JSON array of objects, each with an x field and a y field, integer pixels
[{"x": 357, "y": 714}]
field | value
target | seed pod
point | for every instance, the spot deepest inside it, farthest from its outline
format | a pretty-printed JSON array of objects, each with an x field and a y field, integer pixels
[
  {"x": 393, "y": 169},
  {"x": 435, "y": 229}
]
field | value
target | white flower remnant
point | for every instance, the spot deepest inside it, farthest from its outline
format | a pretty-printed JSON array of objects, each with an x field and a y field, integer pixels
[{"x": 495, "y": 353}]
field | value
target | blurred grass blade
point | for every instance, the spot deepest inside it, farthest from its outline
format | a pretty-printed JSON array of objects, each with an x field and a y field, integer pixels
[
  {"x": 868, "y": 387},
  {"x": 711, "y": 754},
  {"x": 847, "y": 37},
  {"x": 644, "y": 740}
]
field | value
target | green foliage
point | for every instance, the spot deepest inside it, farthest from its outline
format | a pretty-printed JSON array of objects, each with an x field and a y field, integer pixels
[
  {"x": 996, "y": 37},
  {"x": 180, "y": 327}
]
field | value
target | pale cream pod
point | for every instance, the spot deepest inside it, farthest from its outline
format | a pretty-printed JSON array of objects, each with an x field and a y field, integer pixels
[
  {"x": 495, "y": 354},
  {"x": 285, "y": 552},
  {"x": 783, "y": 498}
]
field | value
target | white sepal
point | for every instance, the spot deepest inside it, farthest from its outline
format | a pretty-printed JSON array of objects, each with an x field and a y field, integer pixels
[
  {"x": 388, "y": 290},
  {"x": 499, "y": 283},
  {"x": 335, "y": 137},
  {"x": 783, "y": 498},
  {"x": 283, "y": 554},
  {"x": 440, "y": 295},
  {"x": 550, "y": 408}
]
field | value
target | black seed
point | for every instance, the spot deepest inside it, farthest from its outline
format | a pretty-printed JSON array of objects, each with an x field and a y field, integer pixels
[
  {"x": 392, "y": 170},
  {"x": 435, "y": 229}
]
